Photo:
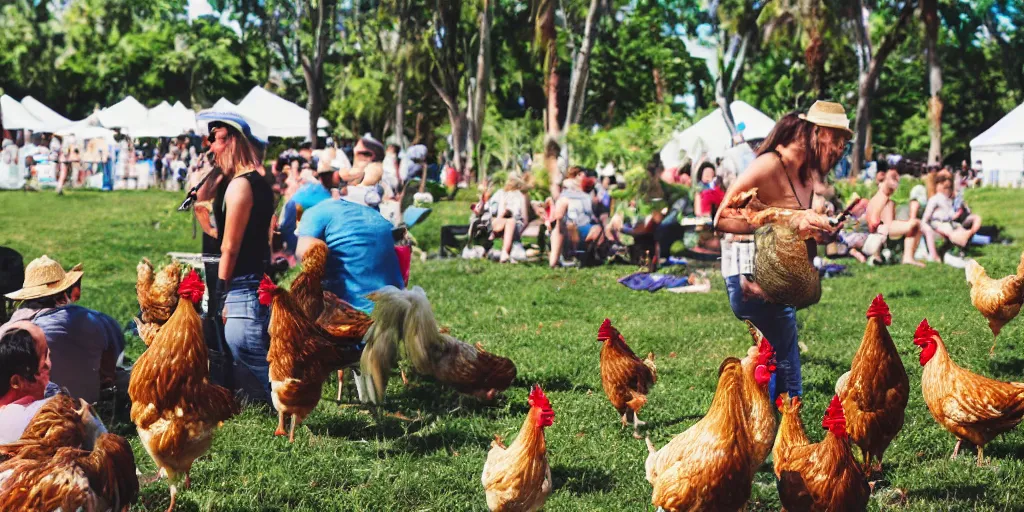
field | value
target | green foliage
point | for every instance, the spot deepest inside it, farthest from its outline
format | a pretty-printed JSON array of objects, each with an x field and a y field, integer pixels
[{"x": 630, "y": 144}]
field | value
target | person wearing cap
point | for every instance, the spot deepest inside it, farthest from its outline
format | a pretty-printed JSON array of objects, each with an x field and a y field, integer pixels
[
  {"x": 243, "y": 207},
  {"x": 308, "y": 196},
  {"x": 793, "y": 159},
  {"x": 84, "y": 344}
]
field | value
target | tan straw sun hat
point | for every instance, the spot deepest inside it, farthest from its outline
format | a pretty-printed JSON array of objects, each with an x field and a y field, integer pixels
[
  {"x": 45, "y": 277},
  {"x": 829, "y": 115}
]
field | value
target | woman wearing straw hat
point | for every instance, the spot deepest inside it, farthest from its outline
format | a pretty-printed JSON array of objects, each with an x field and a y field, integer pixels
[
  {"x": 243, "y": 207},
  {"x": 84, "y": 344},
  {"x": 795, "y": 158}
]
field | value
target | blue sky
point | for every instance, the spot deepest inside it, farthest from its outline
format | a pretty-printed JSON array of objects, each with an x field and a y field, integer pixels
[{"x": 197, "y": 8}]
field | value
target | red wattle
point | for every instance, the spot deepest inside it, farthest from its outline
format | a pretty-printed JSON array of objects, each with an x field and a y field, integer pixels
[
  {"x": 265, "y": 291},
  {"x": 762, "y": 374}
]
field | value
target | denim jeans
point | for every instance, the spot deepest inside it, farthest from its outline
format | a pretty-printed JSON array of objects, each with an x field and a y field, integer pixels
[
  {"x": 246, "y": 335},
  {"x": 778, "y": 324}
]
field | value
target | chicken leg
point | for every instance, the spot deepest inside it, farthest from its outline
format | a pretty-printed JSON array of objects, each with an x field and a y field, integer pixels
[
  {"x": 174, "y": 493},
  {"x": 956, "y": 449},
  {"x": 291, "y": 431},
  {"x": 981, "y": 457},
  {"x": 341, "y": 383},
  {"x": 280, "y": 424},
  {"x": 992, "y": 351}
]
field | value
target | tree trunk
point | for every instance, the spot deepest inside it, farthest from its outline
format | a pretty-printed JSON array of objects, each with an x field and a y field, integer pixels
[
  {"x": 478, "y": 97},
  {"x": 458, "y": 122},
  {"x": 659, "y": 86},
  {"x": 418, "y": 133},
  {"x": 929, "y": 11},
  {"x": 729, "y": 76},
  {"x": 314, "y": 104},
  {"x": 863, "y": 121},
  {"x": 548, "y": 39},
  {"x": 400, "y": 106},
  {"x": 581, "y": 66}
]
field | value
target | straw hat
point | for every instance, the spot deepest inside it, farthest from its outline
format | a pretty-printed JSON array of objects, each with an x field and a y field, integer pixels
[
  {"x": 829, "y": 115},
  {"x": 45, "y": 277}
]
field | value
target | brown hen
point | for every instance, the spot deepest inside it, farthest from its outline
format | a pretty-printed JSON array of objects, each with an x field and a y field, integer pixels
[
  {"x": 517, "y": 478},
  {"x": 822, "y": 477},
  {"x": 758, "y": 366},
  {"x": 175, "y": 407},
  {"x": 625, "y": 378},
  {"x": 709, "y": 466},
  {"x": 101, "y": 479},
  {"x": 971, "y": 407},
  {"x": 876, "y": 391},
  {"x": 62, "y": 422},
  {"x": 300, "y": 356},
  {"x": 998, "y": 300}
]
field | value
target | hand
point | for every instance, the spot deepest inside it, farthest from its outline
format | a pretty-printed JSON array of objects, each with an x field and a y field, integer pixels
[
  {"x": 224, "y": 314},
  {"x": 751, "y": 290}
]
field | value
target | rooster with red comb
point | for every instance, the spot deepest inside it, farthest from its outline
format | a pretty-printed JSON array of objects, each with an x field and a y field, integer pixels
[{"x": 625, "y": 377}]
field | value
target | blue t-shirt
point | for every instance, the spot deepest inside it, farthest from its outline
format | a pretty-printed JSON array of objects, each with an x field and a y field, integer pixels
[
  {"x": 77, "y": 338},
  {"x": 310, "y": 195},
  {"x": 362, "y": 256}
]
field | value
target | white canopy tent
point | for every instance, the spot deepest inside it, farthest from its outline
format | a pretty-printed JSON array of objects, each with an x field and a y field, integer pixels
[
  {"x": 52, "y": 121},
  {"x": 184, "y": 116},
  {"x": 17, "y": 117},
  {"x": 86, "y": 129},
  {"x": 1001, "y": 150},
  {"x": 281, "y": 117},
  {"x": 711, "y": 136},
  {"x": 224, "y": 105},
  {"x": 123, "y": 114}
]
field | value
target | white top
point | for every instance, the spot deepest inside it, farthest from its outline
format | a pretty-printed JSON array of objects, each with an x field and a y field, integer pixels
[{"x": 14, "y": 418}]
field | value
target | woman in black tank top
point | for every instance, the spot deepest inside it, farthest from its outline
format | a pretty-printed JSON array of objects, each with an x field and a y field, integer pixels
[{"x": 243, "y": 207}]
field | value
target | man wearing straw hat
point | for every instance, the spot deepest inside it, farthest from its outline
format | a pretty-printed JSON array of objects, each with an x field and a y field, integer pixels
[{"x": 84, "y": 344}]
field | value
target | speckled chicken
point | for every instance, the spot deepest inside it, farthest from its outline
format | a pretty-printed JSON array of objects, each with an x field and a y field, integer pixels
[
  {"x": 62, "y": 422},
  {"x": 157, "y": 294},
  {"x": 998, "y": 300},
  {"x": 626, "y": 378},
  {"x": 97, "y": 480},
  {"x": 517, "y": 478},
  {"x": 971, "y": 407},
  {"x": 175, "y": 407}
]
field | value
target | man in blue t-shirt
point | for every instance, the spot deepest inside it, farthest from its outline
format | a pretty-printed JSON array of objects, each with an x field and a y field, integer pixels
[
  {"x": 362, "y": 255},
  {"x": 308, "y": 196}
]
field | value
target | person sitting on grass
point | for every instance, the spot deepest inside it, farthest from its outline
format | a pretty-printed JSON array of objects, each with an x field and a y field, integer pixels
[
  {"x": 84, "y": 344},
  {"x": 949, "y": 222},
  {"x": 573, "y": 217},
  {"x": 881, "y": 217},
  {"x": 710, "y": 194},
  {"x": 510, "y": 219},
  {"x": 24, "y": 378}
]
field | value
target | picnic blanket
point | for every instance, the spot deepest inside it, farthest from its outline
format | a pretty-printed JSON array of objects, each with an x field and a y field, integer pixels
[{"x": 646, "y": 281}]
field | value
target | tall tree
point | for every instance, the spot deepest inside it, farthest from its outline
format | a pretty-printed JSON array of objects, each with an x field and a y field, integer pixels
[
  {"x": 581, "y": 63},
  {"x": 870, "y": 64},
  {"x": 930, "y": 13},
  {"x": 545, "y": 43},
  {"x": 736, "y": 23}
]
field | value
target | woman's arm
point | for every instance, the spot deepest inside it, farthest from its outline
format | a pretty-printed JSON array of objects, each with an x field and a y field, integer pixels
[
  {"x": 238, "y": 201},
  {"x": 926, "y": 218},
  {"x": 759, "y": 169}
]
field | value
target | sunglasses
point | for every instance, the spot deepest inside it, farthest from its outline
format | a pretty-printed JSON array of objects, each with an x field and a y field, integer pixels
[{"x": 367, "y": 154}]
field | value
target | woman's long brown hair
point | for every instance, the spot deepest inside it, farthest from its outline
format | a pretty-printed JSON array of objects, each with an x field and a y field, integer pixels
[
  {"x": 239, "y": 155},
  {"x": 820, "y": 153}
]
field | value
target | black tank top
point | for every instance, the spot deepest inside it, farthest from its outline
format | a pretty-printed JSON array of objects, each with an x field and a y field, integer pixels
[{"x": 254, "y": 253}]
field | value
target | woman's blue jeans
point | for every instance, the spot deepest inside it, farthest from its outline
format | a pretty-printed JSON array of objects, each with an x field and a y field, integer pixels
[
  {"x": 246, "y": 335},
  {"x": 778, "y": 324}
]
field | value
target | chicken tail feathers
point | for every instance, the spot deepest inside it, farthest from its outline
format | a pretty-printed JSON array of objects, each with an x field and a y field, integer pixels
[
  {"x": 975, "y": 272},
  {"x": 422, "y": 336},
  {"x": 381, "y": 352}
]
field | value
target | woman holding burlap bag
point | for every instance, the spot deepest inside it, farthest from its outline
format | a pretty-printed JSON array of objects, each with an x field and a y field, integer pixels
[{"x": 768, "y": 280}]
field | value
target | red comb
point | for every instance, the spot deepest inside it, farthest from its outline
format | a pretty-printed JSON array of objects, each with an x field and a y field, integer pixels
[
  {"x": 835, "y": 420},
  {"x": 879, "y": 309},
  {"x": 778, "y": 402},
  {"x": 924, "y": 333},
  {"x": 765, "y": 362},
  {"x": 265, "y": 291},
  {"x": 606, "y": 332},
  {"x": 538, "y": 400},
  {"x": 765, "y": 352},
  {"x": 191, "y": 288}
]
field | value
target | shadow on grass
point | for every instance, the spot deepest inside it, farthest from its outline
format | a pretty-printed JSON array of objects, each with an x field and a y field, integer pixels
[
  {"x": 580, "y": 480},
  {"x": 554, "y": 383},
  {"x": 445, "y": 438},
  {"x": 1008, "y": 367},
  {"x": 833, "y": 364},
  {"x": 366, "y": 427},
  {"x": 941, "y": 493},
  {"x": 659, "y": 424}
]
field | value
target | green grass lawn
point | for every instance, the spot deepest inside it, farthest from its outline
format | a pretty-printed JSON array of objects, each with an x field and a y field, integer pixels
[{"x": 547, "y": 321}]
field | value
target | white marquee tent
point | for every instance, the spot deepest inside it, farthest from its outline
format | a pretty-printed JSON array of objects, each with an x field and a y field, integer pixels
[
  {"x": 281, "y": 117},
  {"x": 184, "y": 116},
  {"x": 224, "y": 105},
  {"x": 1001, "y": 150},
  {"x": 52, "y": 121},
  {"x": 17, "y": 117},
  {"x": 710, "y": 135},
  {"x": 123, "y": 114}
]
